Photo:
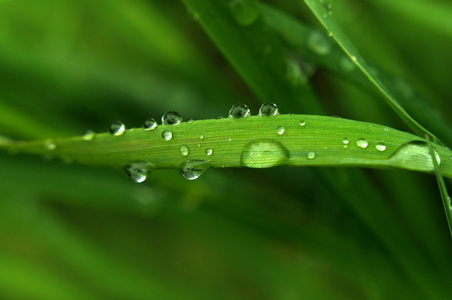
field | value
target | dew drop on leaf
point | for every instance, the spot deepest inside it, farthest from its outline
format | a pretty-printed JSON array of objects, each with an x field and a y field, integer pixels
[
  {"x": 117, "y": 128},
  {"x": 263, "y": 154},
  {"x": 138, "y": 171},
  {"x": 380, "y": 146},
  {"x": 268, "y": 110},
  {"x": 280, "y": 130},
  {"x": 167, "y": 135},
  {"x": 171, "y": 118},
  {"x": 311, "y": 155},
  {"x": 192, "y": 169},
  {"x": 362, "y": 143},
  {"x": 302, "y": 123},
  {"x": 209, "y": 151},
  {"x": 238, "y": 111},
  {"x": 150, "y": 124},
  {"x": 184, "y": 150},
  {"x": 245, "y": 12},
  {"x": 89, "y": 135}
]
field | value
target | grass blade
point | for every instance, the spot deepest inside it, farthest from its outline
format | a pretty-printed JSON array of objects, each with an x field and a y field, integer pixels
[{"x": 322, "y": 10}]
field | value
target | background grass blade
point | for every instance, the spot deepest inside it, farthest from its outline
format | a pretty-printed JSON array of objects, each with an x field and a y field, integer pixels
[{"x": 323, "y": 12}]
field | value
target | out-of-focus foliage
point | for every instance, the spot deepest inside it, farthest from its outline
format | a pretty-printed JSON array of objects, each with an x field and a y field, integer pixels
[{"x": 76, "y": 232}]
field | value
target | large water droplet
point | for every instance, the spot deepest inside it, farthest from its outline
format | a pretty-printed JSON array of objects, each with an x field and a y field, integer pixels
[
  {"x": 89, "y": 135},
  {"x": 302, "y": 123},
  {"x": 238, "y": 111},
  {"x": 117, "y": 128},
  {"x": 138, "y": 171},
  {"x": 311, "y": 155},
  {"x": 184, "y": 150},
  {"x": 280, "y": 130},
  {"x": 171, "y": 118},
  {"x": 380, "y": 146},
  {"x": 319, "y": 44},
  {"x": 362, "y": 143},
  {"x": 245, "y": 12},
  {"x": 192, "y": 169},
  {"x": 268, "y": 110},
  {"x": 167, "y": 135},
  {"x": 150, "y": 124},
  {"x": 264, "y": 154},
  {"x": 414, "y": 156},
  {"x": 209, "y": 151}
]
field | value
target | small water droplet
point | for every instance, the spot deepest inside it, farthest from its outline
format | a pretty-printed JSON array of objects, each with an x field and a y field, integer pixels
[
  {"x": 381, "y": 146},
  {"x": 354, "y": 59},
  {"x": 150, "y": 124},
  {"x": 264, "y": 154},
  {"x": 238, "y": 111},
  {"x": 268, "y": 110},
  {"x": 362, "y": 143},
  {"x": 171, "y": 118},
  {"x": 201, "y": 137},
  {"x": 245, "y": 12},
  {"x": 184, "y": 150},
  {"x": 345, "y": 141},
  {"x": 329, "y": 33},
  {"x": 138, "y": 171},
  {"x": 298, "y": 72},
  {"x": 209, "y": 151},
  {"x": 192, "y": 169},
  {"x": 89, "y": 135},
  {"x": 319, "y": 43},
  {"x": 280, "y": 130},
  {"x": 50, "y": 145},
  {"x": 302, "y": 123},
  {"x": 167, "y": 135},
  {"x": 311, "y": 155},
  {"x": 117, "y": 128}
]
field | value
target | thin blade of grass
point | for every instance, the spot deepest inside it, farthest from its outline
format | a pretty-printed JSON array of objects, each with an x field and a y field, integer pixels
[{"x": 322, "y": 10}]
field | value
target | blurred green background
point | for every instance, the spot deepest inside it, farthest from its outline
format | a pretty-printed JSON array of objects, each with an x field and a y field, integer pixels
[{"x": 79, "y": 232}]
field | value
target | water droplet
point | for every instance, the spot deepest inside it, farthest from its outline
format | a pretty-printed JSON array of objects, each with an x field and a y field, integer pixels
[
  {"x": 117, "y": 128},
  {"x": 171, "y": 118},
  {"x": 50, "y": 145},
  {"x": 380, "y": 146},
  {"x": 167, "y": 135},
  {"x": 219, "y": 117},
  {"x": 150, "y": 124},
  {"x": 184, "y": 150},
  {"x": 354, "y": 59},
  {"x": 238, "y": 111},
  {"x": 280, "y": 130},
  {"x": 311, "y": 155},
  {"x": 302, "y": 123},
  {"x": 201, "y": 137},
  {"x": 319, "y": 43},
  {"x": 414, "y": 156},
  {"x": 345, "y": 142},
  {"x": 192, "y": 169},
  {"x": 89, "y": 135},
  {"x": 209, "y": 151},
  {"x": 138, "y": 171},
  {"x": 268, "y": 110},
  {"x": 190, "y": 121},
  {"x": 362, "y": 143},
  {"x": 245, "y": 12},
  {"x": 264, "y": 154},
  {"x": 329, "y": 33}
]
